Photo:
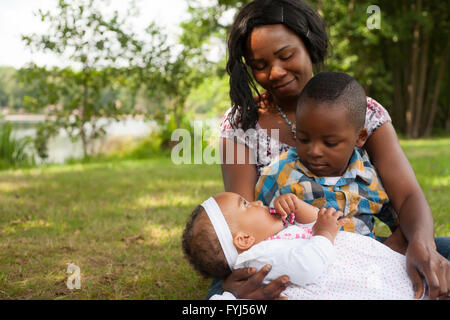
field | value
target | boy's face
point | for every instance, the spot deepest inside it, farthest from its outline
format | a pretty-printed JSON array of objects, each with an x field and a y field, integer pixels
[
  {"x": 326, "y": 137},
  {"x": 249, "y": 217}
]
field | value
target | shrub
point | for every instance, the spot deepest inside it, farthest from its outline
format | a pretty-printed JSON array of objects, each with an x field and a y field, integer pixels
[{"x": 13, "y": 151}]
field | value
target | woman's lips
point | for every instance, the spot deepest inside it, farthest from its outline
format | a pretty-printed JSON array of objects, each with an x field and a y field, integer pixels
[{"x": 284, "y": 85}]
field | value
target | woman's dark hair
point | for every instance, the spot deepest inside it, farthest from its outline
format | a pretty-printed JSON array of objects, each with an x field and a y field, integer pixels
[{"x": 296, "y": 15}]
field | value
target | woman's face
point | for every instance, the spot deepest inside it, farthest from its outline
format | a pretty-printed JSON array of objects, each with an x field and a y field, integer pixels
[{"x": 279, "y": 61}]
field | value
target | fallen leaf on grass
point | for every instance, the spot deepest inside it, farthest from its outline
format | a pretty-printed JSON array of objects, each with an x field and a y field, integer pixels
[
  {"x": 159, "y": 283},
  {"x": 137, "y": 238}
]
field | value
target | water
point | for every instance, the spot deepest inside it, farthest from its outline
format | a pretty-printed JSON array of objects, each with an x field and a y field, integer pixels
[{"x": 61, "y": 147}]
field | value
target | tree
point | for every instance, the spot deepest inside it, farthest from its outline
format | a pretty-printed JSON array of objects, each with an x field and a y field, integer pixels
[
  {"x": 403, "y": 63},
  {"x": 98, "y": 50},
  {"x": 409, "y": 52}
]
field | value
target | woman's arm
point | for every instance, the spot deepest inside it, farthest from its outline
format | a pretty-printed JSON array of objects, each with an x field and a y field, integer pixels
[
  {"x": 240, "y": 177},
  {"x": 416, "y": 220},
  {"x": 238, "y": 169}
]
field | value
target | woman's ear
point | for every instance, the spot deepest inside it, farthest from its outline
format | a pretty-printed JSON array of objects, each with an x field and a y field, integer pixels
[
  {"x": 362, "y": 138},
  {"x": 243, "y": 241}
]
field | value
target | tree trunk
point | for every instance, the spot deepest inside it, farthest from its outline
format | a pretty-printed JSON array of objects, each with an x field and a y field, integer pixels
[
  {"x": 83, "y": 116},
  {"x": 410, "y": 110},
  {"x": 437, "y": 88},
  {"x": 423, "y": 75}
]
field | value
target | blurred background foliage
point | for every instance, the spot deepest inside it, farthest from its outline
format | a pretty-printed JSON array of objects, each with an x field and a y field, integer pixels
[{"x": 112, "y": 72}]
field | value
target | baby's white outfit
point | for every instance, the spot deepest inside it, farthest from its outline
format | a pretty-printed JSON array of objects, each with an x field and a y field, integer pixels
[{"x": 355, "y": 267}]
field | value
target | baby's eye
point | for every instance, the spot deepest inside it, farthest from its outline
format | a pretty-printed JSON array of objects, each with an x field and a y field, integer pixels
[{"x": 246, "y": 204}]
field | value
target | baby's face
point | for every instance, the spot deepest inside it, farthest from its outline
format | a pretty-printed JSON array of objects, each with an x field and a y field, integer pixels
[
  {"x": 325, "y": 138},
  {"x": 251, "y": 217}
]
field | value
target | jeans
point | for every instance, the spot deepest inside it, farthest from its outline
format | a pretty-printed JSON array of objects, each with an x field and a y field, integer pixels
[{"x": 442, "y": 246}]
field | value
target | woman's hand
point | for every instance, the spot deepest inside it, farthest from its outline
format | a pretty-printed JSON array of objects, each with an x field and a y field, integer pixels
[
  {"x": 424, "y": 261},
  {"x": 245, "y": 283}
]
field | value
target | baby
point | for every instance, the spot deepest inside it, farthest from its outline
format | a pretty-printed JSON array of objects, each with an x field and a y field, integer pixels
[{"x": 227, "y": 232}]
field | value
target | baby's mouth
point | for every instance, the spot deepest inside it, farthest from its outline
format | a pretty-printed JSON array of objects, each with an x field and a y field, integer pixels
[{"x": 286, "y": 222}]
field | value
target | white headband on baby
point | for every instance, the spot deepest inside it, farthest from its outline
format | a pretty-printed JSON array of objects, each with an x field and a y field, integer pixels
[{"x": 222, "y": 230}]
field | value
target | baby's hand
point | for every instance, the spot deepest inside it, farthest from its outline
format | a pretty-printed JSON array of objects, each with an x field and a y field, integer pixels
[
  {"x": 286, "y": 204},
  {"x": 327, "y": 223}
]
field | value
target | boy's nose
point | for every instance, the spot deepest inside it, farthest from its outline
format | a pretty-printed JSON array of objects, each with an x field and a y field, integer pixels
[{"x": 314, "y": 150}]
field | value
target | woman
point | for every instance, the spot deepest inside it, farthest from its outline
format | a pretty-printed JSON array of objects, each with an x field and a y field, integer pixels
[{"x": 279, "y": 41}]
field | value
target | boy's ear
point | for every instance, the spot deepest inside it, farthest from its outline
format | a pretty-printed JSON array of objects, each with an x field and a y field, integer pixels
[
  {"x": 362, "y": 138},
  {"x": 243, "y": 241}
]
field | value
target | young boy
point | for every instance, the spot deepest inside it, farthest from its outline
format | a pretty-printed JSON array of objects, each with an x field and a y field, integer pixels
[
  {"x": 226, "y": 232},
  {"x": 328, "y": 168}
]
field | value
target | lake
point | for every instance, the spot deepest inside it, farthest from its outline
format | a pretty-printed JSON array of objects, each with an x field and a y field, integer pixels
[{"x": 61, "y": 147}]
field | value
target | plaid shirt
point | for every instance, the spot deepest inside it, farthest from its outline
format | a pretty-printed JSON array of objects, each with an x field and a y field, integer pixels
[{"x": 358, "y": 193}]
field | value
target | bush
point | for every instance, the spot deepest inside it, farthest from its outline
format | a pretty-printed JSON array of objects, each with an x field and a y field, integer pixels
[{"x": 13, "y": 150}]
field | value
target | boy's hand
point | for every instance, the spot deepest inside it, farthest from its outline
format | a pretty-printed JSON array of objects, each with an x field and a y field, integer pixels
[
  {"x": 327, "y": 224},
  {"x": 286, "y": 204}
]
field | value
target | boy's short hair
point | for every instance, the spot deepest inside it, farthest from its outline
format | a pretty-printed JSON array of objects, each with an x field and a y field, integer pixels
[
  {"x": 202, "y": 248},
  {"x": 340, "y": 88}
]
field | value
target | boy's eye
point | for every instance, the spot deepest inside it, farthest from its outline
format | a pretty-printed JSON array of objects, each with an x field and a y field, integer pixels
[
  {"x": 302, "y": 140},
  {"x": 331, "y": 144}
]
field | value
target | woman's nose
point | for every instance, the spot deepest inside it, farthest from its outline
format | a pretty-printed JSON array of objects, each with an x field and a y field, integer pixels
[{"x": 277, "y": 72}]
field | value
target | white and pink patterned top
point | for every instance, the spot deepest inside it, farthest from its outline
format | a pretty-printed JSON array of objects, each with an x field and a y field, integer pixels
[
  {"x": 355, "y": 267},
  {"x": 266, "y": 149}
]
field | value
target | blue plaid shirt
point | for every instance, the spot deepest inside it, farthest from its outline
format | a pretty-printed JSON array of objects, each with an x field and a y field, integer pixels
[{"x": 358, "y": 193}]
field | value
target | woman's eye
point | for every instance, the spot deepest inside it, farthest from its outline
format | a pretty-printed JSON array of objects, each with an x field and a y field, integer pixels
[
  {"x": 286, "y": 57},
  {"x": 302, "y": 140},
  {"x": 259, "y": 67}
]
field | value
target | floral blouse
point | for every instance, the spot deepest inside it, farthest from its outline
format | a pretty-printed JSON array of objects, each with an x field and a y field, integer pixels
[{"x": 265, "y": 148}]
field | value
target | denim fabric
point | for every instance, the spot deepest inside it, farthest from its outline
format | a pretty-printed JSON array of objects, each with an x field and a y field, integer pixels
[
  {"x": 442, "y": 245},
  {"x": 214, "y": 288}
]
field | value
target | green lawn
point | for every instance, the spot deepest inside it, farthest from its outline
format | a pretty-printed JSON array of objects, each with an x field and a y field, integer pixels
[{"x": 121, "y": 223}]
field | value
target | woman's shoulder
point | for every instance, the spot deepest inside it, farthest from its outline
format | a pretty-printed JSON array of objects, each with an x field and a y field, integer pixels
[
  {"x": 225, "y": 123},
  {"x": 376, "y": 115}
]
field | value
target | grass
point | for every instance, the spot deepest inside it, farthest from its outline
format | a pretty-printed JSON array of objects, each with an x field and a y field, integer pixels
[{"x": 121, "y": 222}]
